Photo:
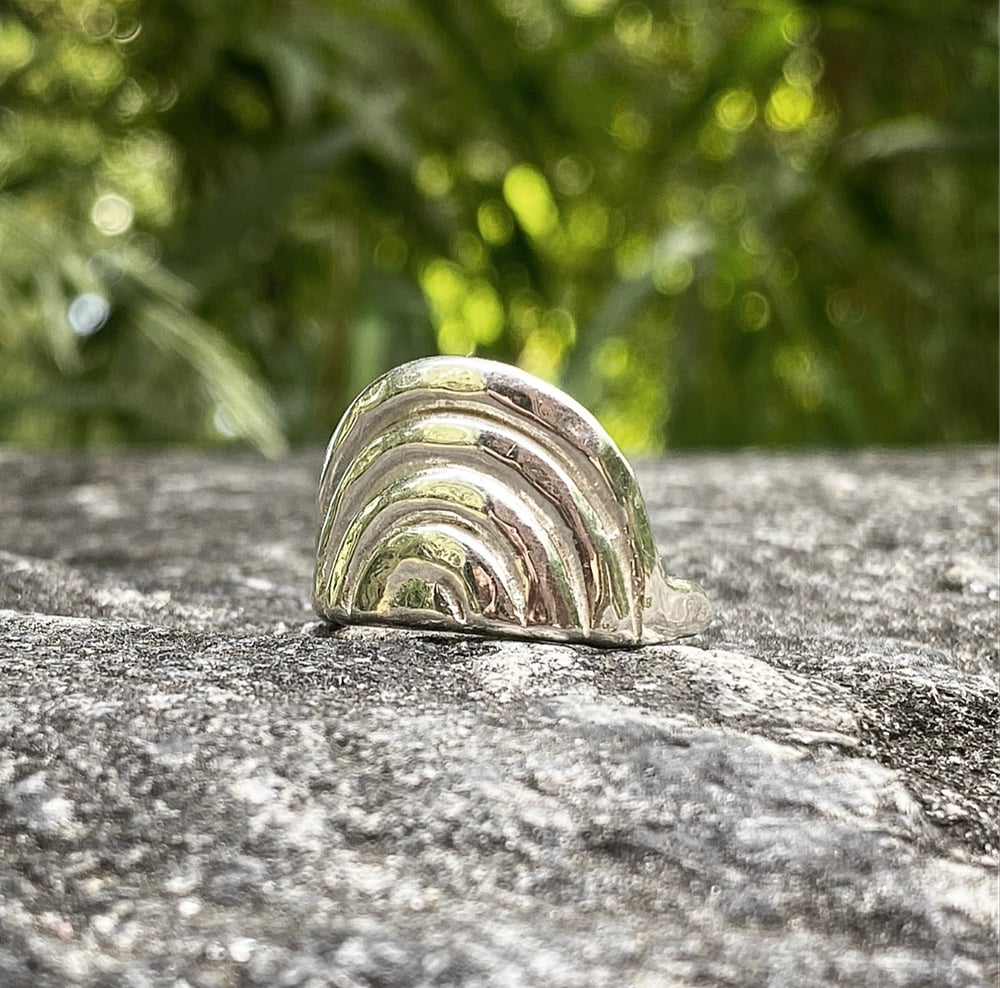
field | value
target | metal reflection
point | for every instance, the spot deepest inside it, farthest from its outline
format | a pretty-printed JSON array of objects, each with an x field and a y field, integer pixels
[{"x": 466, "y": 495}]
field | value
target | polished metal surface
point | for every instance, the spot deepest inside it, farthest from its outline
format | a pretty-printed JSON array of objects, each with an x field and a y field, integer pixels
[{"x": 466, "y": 495}]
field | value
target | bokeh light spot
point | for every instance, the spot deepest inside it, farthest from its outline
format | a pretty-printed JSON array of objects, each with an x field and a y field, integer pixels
[
  {"x": 736, "y": 110},
  {"x": 222, "y": 422},
  {"x": 751, "y": 238},
  {"x": 496, "y": 225},
  {"x": 92, "y": 70},
  {"x": 630, "y": 128},
  {"x": 673, "y": 264},
  {"x": 726, "y": 203},
  {"x": 483, "y": 313},
  {"x": 98, "y": 21},
  {"x": 467, "y": 312},
  {"x": 130, "y": 100},
  {"x": 588, "y": 8},
  {"x": 843, "y": 308},
  {"x": 588, "y": 225},
  {"x": 633, "y": 256},
  {"x": 789, "y": 107},
  {"x": 681, "y": 203},
  {"x": 799, "y": 27},
  {"x": 485, "y": 160},
  {"x": 716, "y": 143},
  {"x": 673, "y": 275},
  {"x": 546, "y": 345},
  {"x": 797, "y": 368},
  {"x": 443, "y": 284},
  {"x": 145, "y": 169},
  {"x": 524, "y": 315},
  {"x": 391, "y": 252},
  {"x": 87, "y": 313},
  {"x": 634, "y": 25},
  {"x": 573, "y": 175},
  {"x": 468, "y": 250},
  {"x": 755, "y": 312},
  {"x": 246, "y": 103},
  {"x": 535, "y": 30},
  {"x": 433, "y": 176},
  {"x": 716, "y": 291},
  {"x": 455, "y": 337},
  {"x": 112, "y": 214},
  {"x": 541, "y": 355},
  {"x": 561, "y": 324},
  {"x": 784, "y": 266},
  {"x": 529, "y": 197},
  {"x": 127, "y": 31},
  {"x": 803, "y": 68},
  {"x": 17, "y": 46},
  {"x": 612, "y": 359}
]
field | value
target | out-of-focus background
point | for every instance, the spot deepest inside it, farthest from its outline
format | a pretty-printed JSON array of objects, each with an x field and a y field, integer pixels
[{"x": 714, "y": 222}]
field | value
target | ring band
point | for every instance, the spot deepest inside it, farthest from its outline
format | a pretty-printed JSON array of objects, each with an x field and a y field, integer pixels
[{"x": 462, "y": 494}]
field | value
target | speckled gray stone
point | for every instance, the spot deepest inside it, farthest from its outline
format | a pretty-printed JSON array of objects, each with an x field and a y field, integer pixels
[{"x": 200, "y": 785}]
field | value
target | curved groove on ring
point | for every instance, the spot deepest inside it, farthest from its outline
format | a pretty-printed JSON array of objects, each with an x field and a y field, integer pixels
[
  {"x": 465, "y": 494},
  {"x": 487, "y": 510},
  {"x": 546, "y": 465},
  {"x": 536, "y": 475}
]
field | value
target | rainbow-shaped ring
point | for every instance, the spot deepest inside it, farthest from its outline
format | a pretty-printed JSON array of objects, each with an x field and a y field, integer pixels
[{"x": 465, "y": 495}]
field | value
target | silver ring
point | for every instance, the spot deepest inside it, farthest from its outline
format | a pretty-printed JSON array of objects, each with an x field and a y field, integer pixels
[{"x": 462, "y": 494}]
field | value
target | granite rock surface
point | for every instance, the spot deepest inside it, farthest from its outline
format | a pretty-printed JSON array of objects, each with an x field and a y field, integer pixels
[{"x": 201, "y": 785}]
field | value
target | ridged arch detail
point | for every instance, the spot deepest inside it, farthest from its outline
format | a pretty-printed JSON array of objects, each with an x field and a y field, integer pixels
[{"x": 467, "y": 495}]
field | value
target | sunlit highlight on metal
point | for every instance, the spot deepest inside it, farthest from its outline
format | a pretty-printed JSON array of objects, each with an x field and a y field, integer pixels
[{"x": 466, "y": 495}]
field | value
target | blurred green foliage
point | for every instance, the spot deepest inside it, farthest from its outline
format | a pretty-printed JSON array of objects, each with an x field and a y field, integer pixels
[{"x": 714, "y": 222}]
